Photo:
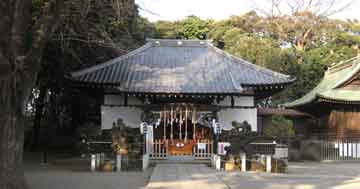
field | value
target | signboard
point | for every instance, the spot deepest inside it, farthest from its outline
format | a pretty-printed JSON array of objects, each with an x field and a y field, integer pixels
[
  {"x": 216, "y": 126},
  {"x": 143, "y": 128},
  {"x": 221, "y": 148},
  {"x": 201, "y": 146}
]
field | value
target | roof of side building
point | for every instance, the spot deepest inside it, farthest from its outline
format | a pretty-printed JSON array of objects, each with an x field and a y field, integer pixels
[{"x": 332, "y": 87}]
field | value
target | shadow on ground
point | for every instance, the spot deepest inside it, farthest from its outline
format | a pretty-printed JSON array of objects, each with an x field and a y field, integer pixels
[{"x": 73, "y": 173}]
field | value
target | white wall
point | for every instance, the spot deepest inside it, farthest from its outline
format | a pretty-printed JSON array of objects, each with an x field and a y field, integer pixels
[
  {"x": 238, "y": 101},
  {"x": 130, "y": 115},
  {"x": 226, "y": 116}
]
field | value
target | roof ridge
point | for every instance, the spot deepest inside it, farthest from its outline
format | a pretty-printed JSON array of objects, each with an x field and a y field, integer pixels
[
  {"x": 179, "y": 42},
  {"x": 155, "y": 39},
  {"x": 324, "y": 86},
  {"x": 112, "y": 61},
  {"x": 247, "y": 63},
  {"x": 340, "y": 65},
  {"x": 355, "y": 61}
]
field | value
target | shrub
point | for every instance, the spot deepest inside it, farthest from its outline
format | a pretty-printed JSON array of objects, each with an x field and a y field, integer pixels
[{"x": 280, "y": 127}]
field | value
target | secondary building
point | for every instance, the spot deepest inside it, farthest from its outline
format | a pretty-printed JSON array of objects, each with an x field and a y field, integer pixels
[{"x": 335, "y": 101}]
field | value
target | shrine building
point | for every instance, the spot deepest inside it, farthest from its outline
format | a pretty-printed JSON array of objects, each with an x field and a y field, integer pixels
[{"x": 179, "y": 88}]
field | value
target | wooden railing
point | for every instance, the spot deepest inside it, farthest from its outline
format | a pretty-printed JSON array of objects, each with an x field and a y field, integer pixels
[
  {"x": 203, "y": 149},
  {"x": 159, "y": 149}
]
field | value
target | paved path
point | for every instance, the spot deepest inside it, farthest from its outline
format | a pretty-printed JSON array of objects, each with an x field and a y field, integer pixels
[{"x": 185, "y": 176}]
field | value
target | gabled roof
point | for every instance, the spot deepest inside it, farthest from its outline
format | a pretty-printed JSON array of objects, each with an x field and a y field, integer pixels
[
  {"x": 331, "y": 88},
  {"x": 179, "y": 66}
]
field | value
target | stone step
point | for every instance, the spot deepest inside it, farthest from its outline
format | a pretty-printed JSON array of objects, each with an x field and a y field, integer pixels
[{"x": 181, "y": 158}]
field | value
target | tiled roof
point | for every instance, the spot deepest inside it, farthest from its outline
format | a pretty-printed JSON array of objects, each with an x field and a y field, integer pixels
[
  {"x": 180, "y": 66},
  {"x": 331, "y": 86}
]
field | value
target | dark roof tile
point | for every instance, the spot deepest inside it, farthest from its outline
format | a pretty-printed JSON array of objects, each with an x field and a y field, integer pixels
[{"x": 179, "y": 66}]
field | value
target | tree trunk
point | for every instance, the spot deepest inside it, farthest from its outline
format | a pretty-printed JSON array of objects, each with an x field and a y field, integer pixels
[
  {"x": 20, "y": 61},
  {"x": 11, "y": 137}
]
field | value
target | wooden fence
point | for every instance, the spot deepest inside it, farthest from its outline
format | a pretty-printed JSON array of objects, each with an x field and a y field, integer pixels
[
  {"x": 159, "y": 149},
  {"x": 201, "y": 150}
]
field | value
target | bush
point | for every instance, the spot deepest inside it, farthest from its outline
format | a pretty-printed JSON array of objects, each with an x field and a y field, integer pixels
[{"x": 280, "y": 127}]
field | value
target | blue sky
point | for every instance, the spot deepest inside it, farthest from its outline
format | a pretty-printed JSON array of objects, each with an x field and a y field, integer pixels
[{"x": 217, "y": 9}]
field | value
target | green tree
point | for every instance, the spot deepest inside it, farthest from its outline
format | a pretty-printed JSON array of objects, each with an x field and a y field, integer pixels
[
  {"x": 166, "y": 30},
  {"x": 41, "y": 41},
  {"x": 280, "y": 127},
  {"x": 194, "y": 28},
  {"x": 262, "y": 51},
  {"x": 85, "y": 38}
]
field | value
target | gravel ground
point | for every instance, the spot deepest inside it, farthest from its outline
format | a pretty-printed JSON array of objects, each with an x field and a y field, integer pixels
[
  {"x": 307, "y": 175},
  {"x": 57, "y": 179},
  {"x": 74, "y": 174}
]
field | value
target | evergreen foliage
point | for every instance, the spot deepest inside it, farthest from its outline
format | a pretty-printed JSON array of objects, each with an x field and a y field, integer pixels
[{"x": 280, "y": 127}]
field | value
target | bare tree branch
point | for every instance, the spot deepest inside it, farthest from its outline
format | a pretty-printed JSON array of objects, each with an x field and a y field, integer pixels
[
  {"x": 42, "y": 29},
  {"x": 290, "y": 7},
  {"x": 91, "y": 41}
]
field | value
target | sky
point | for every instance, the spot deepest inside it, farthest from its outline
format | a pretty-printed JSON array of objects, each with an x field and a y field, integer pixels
[{"x": 218, "y": 9}]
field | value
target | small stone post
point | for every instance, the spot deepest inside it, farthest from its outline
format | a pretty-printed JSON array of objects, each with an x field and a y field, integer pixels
[
  {"x": 243, "y": 162},
  {"x": 93, "y": 162},
  {"x": 268, "y": 163},
  {"x": 145, "y": 162},
  {"x": 217, "y": 162},
  {"x": 118, "y": 162}
]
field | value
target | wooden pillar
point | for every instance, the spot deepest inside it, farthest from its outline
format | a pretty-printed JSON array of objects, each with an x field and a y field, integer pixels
[
  {"x": 171, "y": 123},
  {"x": 186, "y": 122},
  {"x": 194, "y": 123},
  {"x": 186, "y": 111},
  {"x": 125, "y": 99},
  {"x": 180, "y": 123},
  {"x": 165, "y": 123}
]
